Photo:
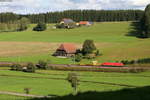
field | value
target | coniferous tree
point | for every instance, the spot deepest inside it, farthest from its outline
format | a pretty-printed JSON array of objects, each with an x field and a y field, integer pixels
[{"x": 145, "y": 23}]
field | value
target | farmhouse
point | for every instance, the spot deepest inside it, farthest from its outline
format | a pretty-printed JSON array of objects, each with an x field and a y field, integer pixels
[
  {"x": 86, "y": 23},
  {"x": 66, "y": 50},
  {"x": 66, "y": 21}
]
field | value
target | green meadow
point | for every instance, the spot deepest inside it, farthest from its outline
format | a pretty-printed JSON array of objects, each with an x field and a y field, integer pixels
[
  {"x": 109, "y": 37},
  {"x": 47, "y": 82}
]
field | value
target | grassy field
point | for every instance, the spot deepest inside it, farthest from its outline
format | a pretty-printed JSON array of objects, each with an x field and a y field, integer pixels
[
  {"x": 46, "y": 82},
  {"x": 110, "y": 38}
]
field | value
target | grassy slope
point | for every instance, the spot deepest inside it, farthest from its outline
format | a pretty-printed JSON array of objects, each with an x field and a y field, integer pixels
[
  {"x": 109, "y": 37},
  {"x": 100, "y": 32},
  {"x": 9, "y": 97},
  {"x": 44, "y": 86}
]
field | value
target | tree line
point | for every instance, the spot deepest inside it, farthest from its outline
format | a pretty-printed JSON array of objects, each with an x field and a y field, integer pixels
[
  {"x": 87, "y": 15},
  {"x": 12, "y": 22},
  {"x": 77, "y": 15}
]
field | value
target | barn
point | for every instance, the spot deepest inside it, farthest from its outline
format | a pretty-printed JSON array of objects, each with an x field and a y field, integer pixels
[{"x": 66, "y": 50}]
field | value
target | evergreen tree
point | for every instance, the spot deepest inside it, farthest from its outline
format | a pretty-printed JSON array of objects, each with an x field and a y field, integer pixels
[{"x": 145, "y": 22}]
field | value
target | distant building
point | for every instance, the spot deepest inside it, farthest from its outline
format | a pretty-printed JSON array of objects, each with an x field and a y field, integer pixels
[
  {"x": 67, "y": 23},
  {"x": 66, "y": 50},
  {"x": 87, "y": 23}
]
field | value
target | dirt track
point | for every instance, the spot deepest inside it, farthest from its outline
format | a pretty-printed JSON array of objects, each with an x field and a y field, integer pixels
[{"x": 23, "y": 95}]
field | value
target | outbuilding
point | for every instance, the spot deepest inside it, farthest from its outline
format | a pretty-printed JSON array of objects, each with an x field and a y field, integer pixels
[{"x": 86, "y": 23}]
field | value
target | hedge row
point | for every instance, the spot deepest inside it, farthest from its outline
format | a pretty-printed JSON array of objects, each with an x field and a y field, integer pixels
[{"x": 139, "y": 61}]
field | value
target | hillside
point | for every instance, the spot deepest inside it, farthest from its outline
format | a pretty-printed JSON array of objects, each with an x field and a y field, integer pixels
[{"x": 110, "y": 38}]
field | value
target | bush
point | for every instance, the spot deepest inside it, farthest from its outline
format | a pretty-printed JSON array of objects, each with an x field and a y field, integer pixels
[
  {"x": 89, "y": 56},
  {"x": 143, "y": 61},
  {"x": 139, "y": 61},
  {"x": 78, "y": 57},
  {"x": 27, "y": 90},
  {"x": 97, "y": 53},
  {"x": 40, "y": 27},
  {"x": 125, "y": 62},
  {"x": 16, "y": 67},
  {"x": 30, "y": 68},
  {"x": 134, "y": 70},
  {"x": 60, "y": 25},
  {"x": 42, "y": 65}
]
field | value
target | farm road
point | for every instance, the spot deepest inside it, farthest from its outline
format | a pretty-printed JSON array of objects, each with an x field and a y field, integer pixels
[{"x": 23, "y": 95}]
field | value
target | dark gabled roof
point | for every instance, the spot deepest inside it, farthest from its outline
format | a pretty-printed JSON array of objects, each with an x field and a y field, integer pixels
[{"x": 67, "y": 20}]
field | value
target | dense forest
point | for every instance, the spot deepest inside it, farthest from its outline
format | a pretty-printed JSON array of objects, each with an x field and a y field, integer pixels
[{"x": 77, "y": 15}]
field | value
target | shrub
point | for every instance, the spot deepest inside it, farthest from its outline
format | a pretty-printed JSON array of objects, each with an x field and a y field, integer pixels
[
  {"x": 89, "y": 56},
  {"x": 125, "y": 62},
  {"x": 60, "y": 25},
  {"x": 30, "y": 68},
  {"x": 144, "y": 60},
  {"x": 97, "y": 53},
  {"x": 16, "y": 67},
  {"x": 78, "y": 57},
  {"x": 42, "y": 65},
  {"x": 40, "y": 27},
  {"x": 27, "y": 90},
  {"x": 78, "y": 51},
  {"x": 138, "y": 70},
  {"x": 139, "y": 61}
]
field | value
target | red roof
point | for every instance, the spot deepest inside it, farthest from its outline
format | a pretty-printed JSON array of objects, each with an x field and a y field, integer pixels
[
  {"x": 68, "y": 47},
  {"x": 83, "y": 22},
  {"x": 112, "y": 64}
]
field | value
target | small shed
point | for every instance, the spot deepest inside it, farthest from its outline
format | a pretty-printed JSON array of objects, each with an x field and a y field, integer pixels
[{"x": 66, "y": 50}]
